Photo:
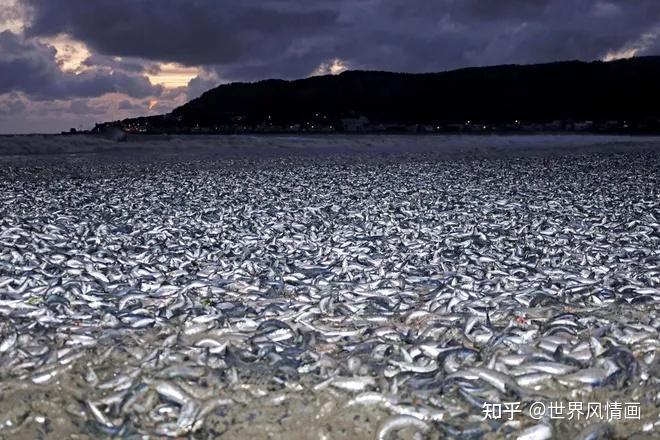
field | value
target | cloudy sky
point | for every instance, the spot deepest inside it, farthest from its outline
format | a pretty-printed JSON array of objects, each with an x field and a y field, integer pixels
[{"x": 71, "y": 63}]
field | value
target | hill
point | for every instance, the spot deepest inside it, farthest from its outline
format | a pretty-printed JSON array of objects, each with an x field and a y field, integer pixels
[{"x": 621, "y": 95}]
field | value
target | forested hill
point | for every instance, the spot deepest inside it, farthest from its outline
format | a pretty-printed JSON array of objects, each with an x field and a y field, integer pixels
[{"x": 623, "y": 90}]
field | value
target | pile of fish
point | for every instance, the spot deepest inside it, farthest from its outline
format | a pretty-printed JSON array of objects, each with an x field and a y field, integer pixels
[{"x": 158, "y": 298}]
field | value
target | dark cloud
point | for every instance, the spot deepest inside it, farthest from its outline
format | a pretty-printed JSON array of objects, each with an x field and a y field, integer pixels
[
  {"x": 288, "y": 38},
  {"x": 200, "y": 84},
  {"x": 113, "y": 62},
  {"x": 11, "y": 104},
  {"x": 128, "y": 105},
  {"x": 83, "y": 107},
  {"x": 188, "y": 32},
  {"x": 423, "y": 36},
  {"x": 30, "y": 67}
]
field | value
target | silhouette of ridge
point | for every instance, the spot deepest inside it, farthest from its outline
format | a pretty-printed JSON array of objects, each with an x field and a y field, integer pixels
[{"x": 626, "y": 91}]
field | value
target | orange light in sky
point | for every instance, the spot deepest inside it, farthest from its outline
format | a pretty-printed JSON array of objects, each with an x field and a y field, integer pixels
[
  {"x": 332, "y": 67},
  {"x": 172, "y": 75},
  {"x": 70, "y": 53}
]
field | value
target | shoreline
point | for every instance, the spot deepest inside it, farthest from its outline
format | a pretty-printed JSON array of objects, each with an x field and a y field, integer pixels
[{"x": 255, "y": 146}]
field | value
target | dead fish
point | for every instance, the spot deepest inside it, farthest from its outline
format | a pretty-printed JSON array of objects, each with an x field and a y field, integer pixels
[
  {"x": 353, "y": 383},
  {"x": 419, "y": 286},
  {"x": 536, "y": 432},
  {"x": 401, "y": 422}
]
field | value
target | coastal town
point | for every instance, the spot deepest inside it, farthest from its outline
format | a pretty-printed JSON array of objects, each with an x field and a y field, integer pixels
[{"x": 319, "y": 123}]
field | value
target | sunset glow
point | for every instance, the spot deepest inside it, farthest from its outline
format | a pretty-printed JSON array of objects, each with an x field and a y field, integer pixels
[
  {"x": 333, "y": 67},
  {"x": 71, "y": 54},
  {"x": 645, "y": 41},
  {"x": 172, "y": 75}
]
